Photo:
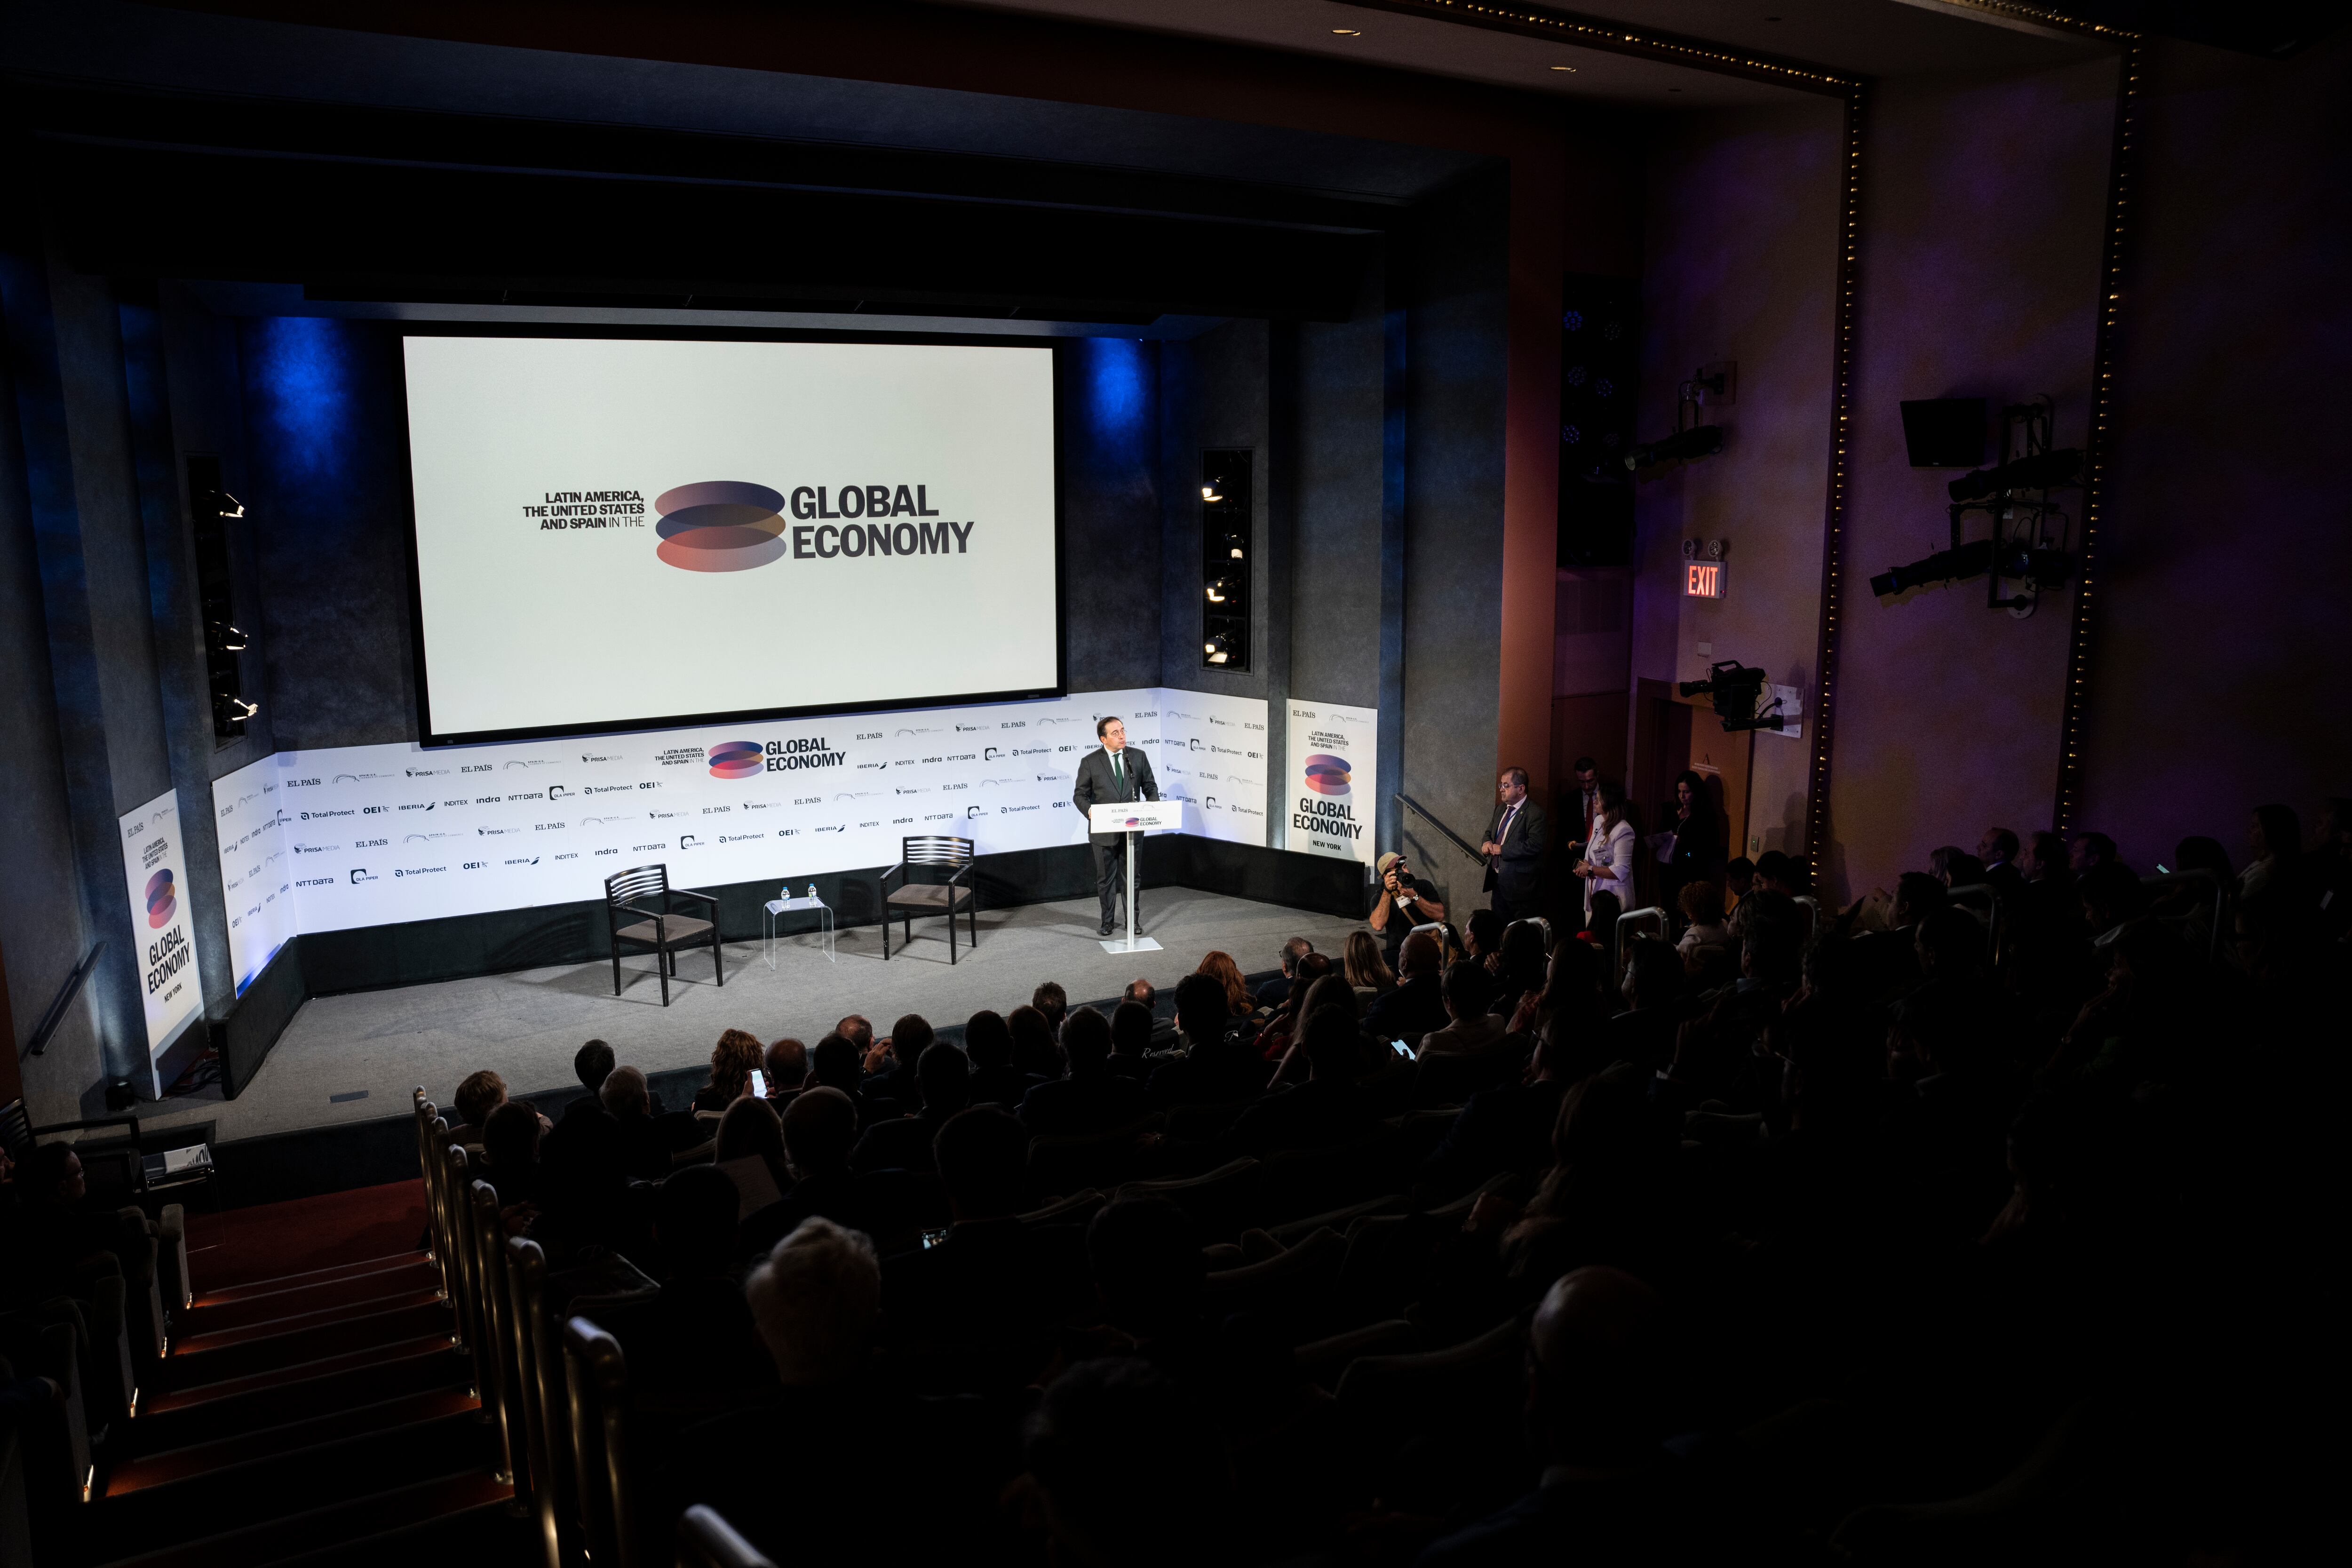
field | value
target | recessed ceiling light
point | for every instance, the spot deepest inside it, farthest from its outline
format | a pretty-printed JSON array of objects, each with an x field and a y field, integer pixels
[
  {"x": 1563, "y": 67},
  {"x": 1345, "y": 33}
]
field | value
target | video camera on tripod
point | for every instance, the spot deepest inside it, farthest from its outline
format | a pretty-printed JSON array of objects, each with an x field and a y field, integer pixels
[{"x": 1735, "y": 689}]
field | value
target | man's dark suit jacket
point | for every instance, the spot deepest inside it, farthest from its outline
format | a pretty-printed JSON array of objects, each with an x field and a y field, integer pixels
[
  {"x": 1097, "y": 787},
  {"x": 1521, "y": 878}
]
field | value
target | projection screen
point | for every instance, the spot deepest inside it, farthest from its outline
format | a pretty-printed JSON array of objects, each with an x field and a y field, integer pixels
[{"x": 615, "y": 534}]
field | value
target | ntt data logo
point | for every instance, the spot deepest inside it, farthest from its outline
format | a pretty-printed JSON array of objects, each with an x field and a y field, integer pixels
[
  {"x": 720, "y": 525},
  {"x": 735, "y": 759},
  {"x": 162, "y": 899},
  {"x": 1327, "y": 774}
]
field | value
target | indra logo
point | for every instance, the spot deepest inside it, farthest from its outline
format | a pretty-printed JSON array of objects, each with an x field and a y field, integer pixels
[
  {"x": 734, "y": 759},
  {"x": 162, "y": 901},
  {"x": 1327, "y": 774},
  {"x": 720, "y": 525}
]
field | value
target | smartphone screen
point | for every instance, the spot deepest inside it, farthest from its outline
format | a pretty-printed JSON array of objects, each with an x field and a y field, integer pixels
[
  {"x": 1403, "y": 1050},
  {"x": 759, "y": 1084}
]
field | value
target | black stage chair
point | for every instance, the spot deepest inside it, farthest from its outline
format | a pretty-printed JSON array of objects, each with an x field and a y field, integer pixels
[
  {"x": 931, "y": 898},
  {"x": 646, "y": 890}
]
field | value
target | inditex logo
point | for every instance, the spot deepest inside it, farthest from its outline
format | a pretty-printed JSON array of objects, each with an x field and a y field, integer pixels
[
  {"x": 720, "y": 525},
  {"x": 736, "y": 759},
  {"x": 1328, "y": 775},
  {"x": 162, "y": 899}
]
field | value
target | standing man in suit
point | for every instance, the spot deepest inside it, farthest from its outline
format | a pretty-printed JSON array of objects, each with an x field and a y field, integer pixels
[
  {"x": 1114, "y": 771},
  {"x": 1516, "y": 841}
]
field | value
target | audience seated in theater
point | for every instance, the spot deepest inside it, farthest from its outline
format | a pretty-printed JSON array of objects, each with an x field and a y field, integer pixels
[
  {"x": 1465, "y": 991},
  {"x": 1326, "y": 1111},
  {"x": 644, "y": 1152},
  {"x": 1417, "y": 1005},
  {"x": 980, "y": 1307},
  {"x": 54, "y": 1242},
  {"x": 835, "y": 1064},
  {"x": 1519, "y": 964},
  {"x": 1034, "y": 1050},
  {"x": 1276, "y": 991},
  {"x": 858, "y": 1030},
  {"x": 481, "y": 1093},
  {"x": 904, "y": 1142},
  {"x": 1364, "y": 966},
  {"x": 1503, "y": 1130},
  {"x": 1955, "y": 866},
  {"x": 1144, "y": 1256},
  {"x": 1054, "y": 1002},
  {"x": 1596, "y": 1414},
  {"x": 1127, "y": 1469},
  {"x": 1215, "y": 1068},
  {"x": 2111, "y": 895},
  {"x": 785, "y": 1066},
  {"x": 1702, "y": 906},
  {"x": 750, "y": 1151},
  {"x": 1280, "y": 1029},
  {"x": 1135, "y": 1041},
  {"x": 1220, "y": 967},
  {"x": 1164, "y": 1029},
  {"x": 692, "y": 1350},
  {"x": 893, "y": 1088},
  {"x": 732, "y": 1062},
  {"x": 996, "y": 1080},
  {"x": 1092, "y": 1099},
  {"x": 1482, "y": 937},
  {"x": 509, "y": 1163},
  {"x": 1644, "y": 1032},
  {"x": 586, "y": 1146},
  {"x": 820, "y": 1129}
]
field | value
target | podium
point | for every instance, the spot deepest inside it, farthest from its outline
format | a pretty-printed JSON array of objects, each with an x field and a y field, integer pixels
[{"x": 1132, "y": 817}]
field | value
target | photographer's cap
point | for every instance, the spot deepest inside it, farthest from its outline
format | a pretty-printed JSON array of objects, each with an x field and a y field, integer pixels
[{"x": 1387, "y": 862}]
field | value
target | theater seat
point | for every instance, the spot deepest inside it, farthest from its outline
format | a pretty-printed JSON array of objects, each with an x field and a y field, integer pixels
[{"x": 1220, "y": 1202}]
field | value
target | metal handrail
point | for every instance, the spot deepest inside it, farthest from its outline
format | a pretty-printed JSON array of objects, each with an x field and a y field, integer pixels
[
  {"x": 1451, "y": 836},
  {"x": 55, "y": 1013},
  {"x": 2222, "y": 891},
  {"x": 1617, "y": 936}
]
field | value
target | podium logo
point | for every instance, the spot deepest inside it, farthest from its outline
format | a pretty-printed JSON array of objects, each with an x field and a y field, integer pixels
[
  {"x": 720, "y": 525},
  {"x": 162, "y": 899},
  {"x": 1327, "y": 774},
  {"x": 736, "y": 759}
]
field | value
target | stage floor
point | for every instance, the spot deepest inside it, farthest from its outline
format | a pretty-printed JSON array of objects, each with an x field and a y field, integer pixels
[{"x": 528, "y": 1024}]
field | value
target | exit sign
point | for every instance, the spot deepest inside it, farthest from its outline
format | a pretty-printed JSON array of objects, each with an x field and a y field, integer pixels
[{"x": 1702, "y": 579}]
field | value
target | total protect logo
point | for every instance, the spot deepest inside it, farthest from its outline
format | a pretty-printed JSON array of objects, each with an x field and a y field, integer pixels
[
  {"x": 1328, "y": 775},
  {"x": 720, "y": 525},
  {"x": 736, "y": 759},
  {"x": 162, "y": 899}
]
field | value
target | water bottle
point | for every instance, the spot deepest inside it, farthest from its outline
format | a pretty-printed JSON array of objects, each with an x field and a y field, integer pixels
[{"x": 811, "y": 892}]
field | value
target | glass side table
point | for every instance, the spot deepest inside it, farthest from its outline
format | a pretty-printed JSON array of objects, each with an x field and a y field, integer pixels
[{"x": 775, "y": 908}]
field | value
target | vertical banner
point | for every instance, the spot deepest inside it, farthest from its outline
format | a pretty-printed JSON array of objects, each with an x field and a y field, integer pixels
[
  {"x": 1329, "y": 795},
  {"x": 156, "y": 872}
]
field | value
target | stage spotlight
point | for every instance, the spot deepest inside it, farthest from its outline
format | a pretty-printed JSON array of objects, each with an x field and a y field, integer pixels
[
  {"x": 2038, "y": 471},
  {"x": 2039, "y": 568},
  {"x": 230, "y": 709},
  {"x": 1735, "y": 689},
  {"x": 1218, "y": 649},
  {"x": 1221, "y": 589},
  {"x": 1682, "y": 447}
]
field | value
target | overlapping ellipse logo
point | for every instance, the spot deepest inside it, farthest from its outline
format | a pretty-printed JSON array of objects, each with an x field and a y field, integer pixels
[
  {"x": 1327, "y": 774},
  {"x": 735, "y": 759},
  {"x": 162, "y": 899},
  {"x": 720, "y": 525}
]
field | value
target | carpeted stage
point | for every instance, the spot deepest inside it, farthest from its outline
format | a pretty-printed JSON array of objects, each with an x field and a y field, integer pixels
[{"x": 318, "y": 1115}]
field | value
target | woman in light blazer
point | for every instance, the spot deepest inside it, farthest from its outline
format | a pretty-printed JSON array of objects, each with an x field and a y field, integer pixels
[{"x": 1607, "y": 863}]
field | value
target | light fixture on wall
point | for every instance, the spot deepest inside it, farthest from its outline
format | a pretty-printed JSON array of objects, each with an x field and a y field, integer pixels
[
  {"x": 2029, "y": 549},
  {"x": 1709, "y": 385},
  {"x": 1734, "y": 690},
  {"x": 1225, "y": 551}
]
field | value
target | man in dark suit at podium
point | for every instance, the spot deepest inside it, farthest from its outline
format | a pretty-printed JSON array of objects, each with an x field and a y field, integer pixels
[
  {"x": 1514, "y": 847},
  {"x": 1114, "y": 771}
]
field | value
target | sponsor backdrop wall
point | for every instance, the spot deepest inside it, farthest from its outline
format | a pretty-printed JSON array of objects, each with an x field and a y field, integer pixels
[
  {"x": 361, "y": 835},
  {"x": 1330, "y": 804},
  {"x": 155, "y": 868}
]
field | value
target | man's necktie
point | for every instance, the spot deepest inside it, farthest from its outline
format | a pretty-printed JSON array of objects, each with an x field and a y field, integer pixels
[{"x": 1117, "y": 773}]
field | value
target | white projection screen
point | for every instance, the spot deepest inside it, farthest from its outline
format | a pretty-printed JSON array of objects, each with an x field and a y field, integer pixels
[{"x": 621, "y": 533}]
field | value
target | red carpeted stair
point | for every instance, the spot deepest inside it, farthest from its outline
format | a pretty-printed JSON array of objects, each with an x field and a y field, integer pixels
[{"x": 315, "y": 1404}]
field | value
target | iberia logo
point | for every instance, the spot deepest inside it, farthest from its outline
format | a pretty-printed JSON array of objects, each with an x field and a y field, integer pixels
[
  {"x": 720, "y": 525},
  {"x": 735, "y": 759},
  {"x": 162, "y": 899},
  {"x": 1327, "y": 774}
]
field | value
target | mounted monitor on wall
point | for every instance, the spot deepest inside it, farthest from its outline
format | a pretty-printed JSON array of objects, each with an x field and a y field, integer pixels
[{"x": 632, "y": 533}]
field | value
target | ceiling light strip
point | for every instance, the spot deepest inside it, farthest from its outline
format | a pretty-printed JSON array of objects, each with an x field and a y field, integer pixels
[
  {"x": 2089, "y": 589},
  {"x": 1831, "y": 629},
  {"x": 1621, "y": 38}
]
